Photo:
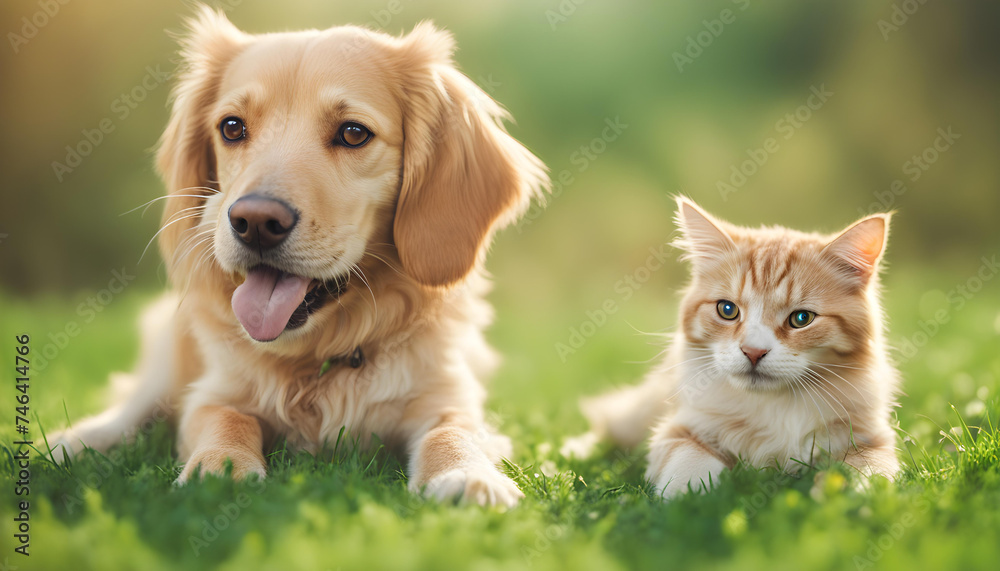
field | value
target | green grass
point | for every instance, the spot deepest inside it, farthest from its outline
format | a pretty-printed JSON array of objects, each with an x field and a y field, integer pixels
[{"x": 349, "y": 509}]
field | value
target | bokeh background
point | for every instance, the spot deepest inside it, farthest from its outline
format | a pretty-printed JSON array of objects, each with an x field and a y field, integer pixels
[
  {"x": 561, "y": 77},
  {"x": 909, "y": 120},
  {"x": 696, "y": 88}
]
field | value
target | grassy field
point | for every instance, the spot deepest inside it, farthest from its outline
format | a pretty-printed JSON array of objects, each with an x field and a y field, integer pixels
[
  {"x": 349, "y": 508},
  {"x": 689, "y": 128}
]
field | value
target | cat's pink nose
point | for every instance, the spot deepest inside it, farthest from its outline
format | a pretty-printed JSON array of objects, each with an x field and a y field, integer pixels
[{"x": 754, "y": 354}]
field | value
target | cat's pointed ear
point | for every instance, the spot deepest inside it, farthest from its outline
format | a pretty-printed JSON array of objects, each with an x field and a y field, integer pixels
[
  {"x": 859, "y": 248},
  {"x": 702, "y": 236}
]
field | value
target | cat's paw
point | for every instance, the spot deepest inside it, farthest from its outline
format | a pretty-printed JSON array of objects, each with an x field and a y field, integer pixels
[
  {"x": 483, "y": 486},
  {"x": 687, "y": 468},
  {"x": 213, "y": 461},
  {"x": 670, "y": 487}
]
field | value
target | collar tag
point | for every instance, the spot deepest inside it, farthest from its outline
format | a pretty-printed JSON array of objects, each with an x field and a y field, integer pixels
[{"x": 355, "y": 360}]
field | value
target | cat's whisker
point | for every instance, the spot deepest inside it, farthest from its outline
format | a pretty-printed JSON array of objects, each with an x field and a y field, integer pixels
[
  {"x": 848, "y": 383},
  {"x": 807, "y": 392},
  {"x": 817, "y": 383},
  {"x": 839, "y": 365},
  {"x": 801, "y": 391},
  {"x": 810, "y": 389},
  {"x": 655, "y": 357},
  {"x": 675, "y": 365},
  {"x": 696, "y": 375},
  {"x": 828, "y": 384},
  {"x": 796, "y": 390},
  {"x": 666, "y": 333},
  {"x": 686, "y": 361}
]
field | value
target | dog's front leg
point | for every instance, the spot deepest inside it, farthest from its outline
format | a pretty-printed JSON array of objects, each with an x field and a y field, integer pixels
[
  {"x": 211, "y": 434},
  {"x": 449, "y": 461}
]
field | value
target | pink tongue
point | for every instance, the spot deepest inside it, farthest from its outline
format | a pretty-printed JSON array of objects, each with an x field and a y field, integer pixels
[{"x": 266, "y": 300}]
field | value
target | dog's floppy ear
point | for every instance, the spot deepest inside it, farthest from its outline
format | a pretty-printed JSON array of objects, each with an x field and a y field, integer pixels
[
  {"x": 185, "y": 158},
  {"x": 463, "y": 175}
]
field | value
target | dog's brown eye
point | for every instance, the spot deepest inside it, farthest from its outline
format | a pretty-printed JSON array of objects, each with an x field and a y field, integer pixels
[
  {"x": 233, "y": 129},
  {"x": 353, "y": 135}
]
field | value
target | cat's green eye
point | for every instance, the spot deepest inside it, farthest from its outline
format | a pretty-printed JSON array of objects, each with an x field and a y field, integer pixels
[
  {"x": 801, "y": 318},
  {"x": 727, "y": 309}
]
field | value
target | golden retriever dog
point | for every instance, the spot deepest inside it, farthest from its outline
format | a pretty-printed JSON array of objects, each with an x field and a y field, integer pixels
[{"x": 331, "y": 195}]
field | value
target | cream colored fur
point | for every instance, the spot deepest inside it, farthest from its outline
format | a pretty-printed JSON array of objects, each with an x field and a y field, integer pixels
[
  {"x": 821, "y": 391},
  {"x": 405, "y": 219}
]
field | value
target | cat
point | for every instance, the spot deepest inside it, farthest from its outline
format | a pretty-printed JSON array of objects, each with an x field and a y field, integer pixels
[{"x": 779, "y": 358}]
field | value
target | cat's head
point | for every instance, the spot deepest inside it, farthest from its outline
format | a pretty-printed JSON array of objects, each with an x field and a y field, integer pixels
[{"x": 771, "y": 306}]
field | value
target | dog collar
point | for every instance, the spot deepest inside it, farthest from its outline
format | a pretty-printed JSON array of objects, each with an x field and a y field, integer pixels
[{"x": 354, "y": 360}]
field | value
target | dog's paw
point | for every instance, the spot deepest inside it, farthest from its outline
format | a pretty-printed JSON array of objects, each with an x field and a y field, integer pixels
[
  {"x": 87, "y": 434},
  {"x": 213, "y": 461},
  {"x": 486, "y": 487},
  {"x": 678, "y": 478},
  {"x": 580, "y": 447},
  {"x": 61, "y": 446}
]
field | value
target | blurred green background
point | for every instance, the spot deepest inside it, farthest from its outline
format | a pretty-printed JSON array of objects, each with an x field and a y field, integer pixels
[
  {"x": 696, "y": 91},
  {"x": 561, "y": 77}
]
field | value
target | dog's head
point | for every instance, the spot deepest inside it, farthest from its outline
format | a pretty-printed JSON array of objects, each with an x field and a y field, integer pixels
[{"x": 290, "y": 157}]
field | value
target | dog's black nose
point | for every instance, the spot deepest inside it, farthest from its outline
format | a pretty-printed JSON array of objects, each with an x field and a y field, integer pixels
[{"x": 261, "y": 223}]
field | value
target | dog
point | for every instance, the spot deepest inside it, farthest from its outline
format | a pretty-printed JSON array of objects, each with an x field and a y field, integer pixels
[{"x": 331, "y": 196}]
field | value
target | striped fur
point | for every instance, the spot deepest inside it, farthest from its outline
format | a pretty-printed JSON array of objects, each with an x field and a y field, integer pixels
[{"x": 821, "y": 391}]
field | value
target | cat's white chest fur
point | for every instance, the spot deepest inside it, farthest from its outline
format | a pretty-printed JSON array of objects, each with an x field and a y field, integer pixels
[{"x": 784, "y": 428}]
